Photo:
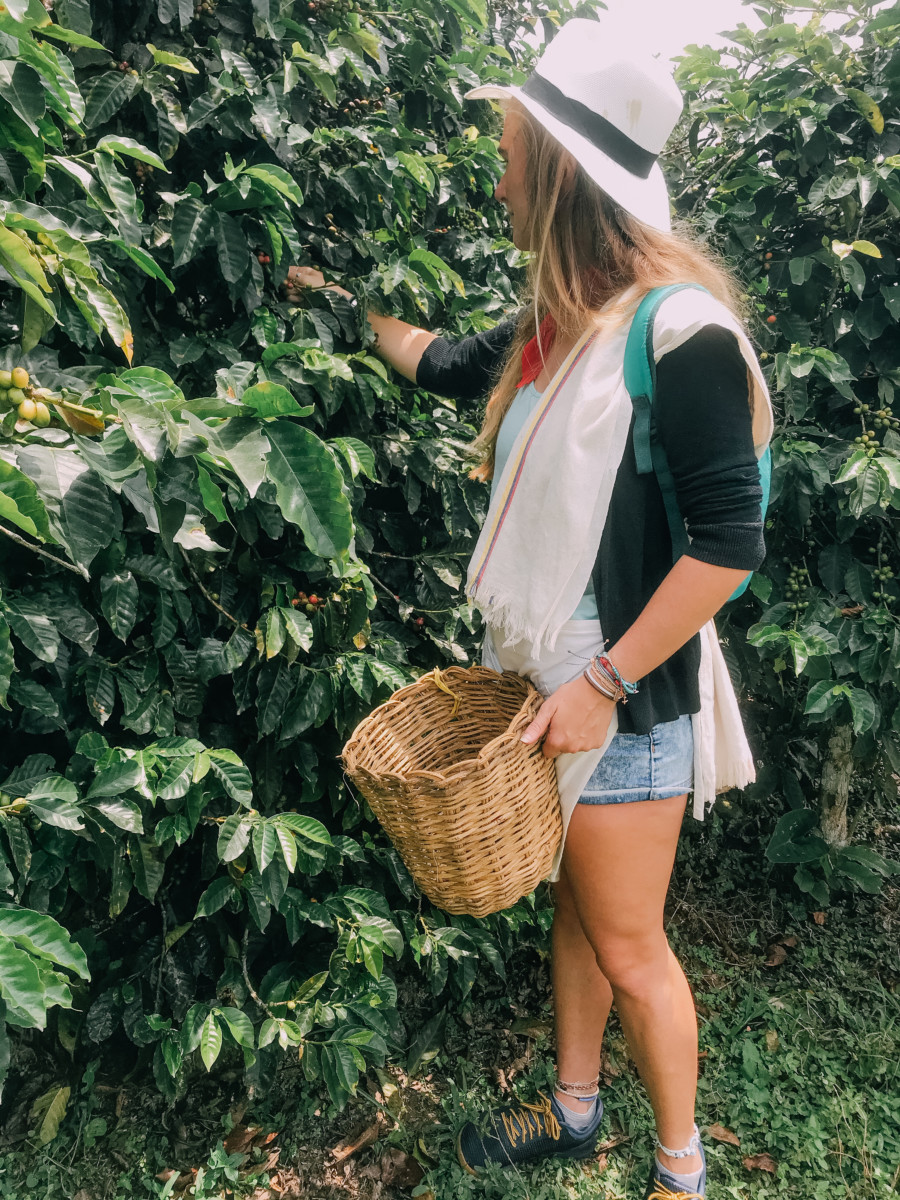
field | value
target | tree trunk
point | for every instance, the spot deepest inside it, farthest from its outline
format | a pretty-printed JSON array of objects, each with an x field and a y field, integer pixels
[{"x": 836, "y": 775}]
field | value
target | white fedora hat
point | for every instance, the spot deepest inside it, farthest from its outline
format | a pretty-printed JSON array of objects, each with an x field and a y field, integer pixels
[{"x": 610, "y": 104}]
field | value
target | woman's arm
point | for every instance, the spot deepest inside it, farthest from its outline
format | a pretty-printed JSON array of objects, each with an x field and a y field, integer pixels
[
  {"x": 462, "y": 370},
  {"x": 704, "y": 425},
  {"x": 398, "y": 343}
]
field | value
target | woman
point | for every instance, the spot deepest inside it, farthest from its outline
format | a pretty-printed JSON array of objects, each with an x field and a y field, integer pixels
[{"x": 576, "y": 555}]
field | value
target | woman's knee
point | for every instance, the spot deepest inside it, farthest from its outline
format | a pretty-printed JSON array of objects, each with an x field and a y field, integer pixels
[{"x": 635, "y": 967}]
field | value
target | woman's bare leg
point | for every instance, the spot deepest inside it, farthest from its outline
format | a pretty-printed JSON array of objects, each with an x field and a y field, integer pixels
[
  {"x": 618, "y": 861},
  {"x": 582, "y": 995}
]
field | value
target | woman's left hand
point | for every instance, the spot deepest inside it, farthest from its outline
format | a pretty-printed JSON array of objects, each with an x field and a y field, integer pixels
[{"x": 576, "y": 717}]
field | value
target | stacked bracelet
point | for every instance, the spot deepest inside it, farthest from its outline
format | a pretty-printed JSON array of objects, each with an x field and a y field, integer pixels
[
  {"x": 600, "y": 685},
  {"x": 611, "y": 670},
  {"x": 604, "y": 678}
]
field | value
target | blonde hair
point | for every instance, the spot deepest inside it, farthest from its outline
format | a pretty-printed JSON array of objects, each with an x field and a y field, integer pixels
[{"x": 586, "y": 251}]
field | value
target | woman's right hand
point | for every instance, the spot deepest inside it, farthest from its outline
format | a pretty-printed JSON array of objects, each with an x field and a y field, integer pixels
[{"x": 299, "y": 278}]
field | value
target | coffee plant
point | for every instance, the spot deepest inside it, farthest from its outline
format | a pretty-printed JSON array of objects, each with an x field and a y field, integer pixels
[
  {"x": 227, "y": 531},
  {"x": 789, "y": 162}
]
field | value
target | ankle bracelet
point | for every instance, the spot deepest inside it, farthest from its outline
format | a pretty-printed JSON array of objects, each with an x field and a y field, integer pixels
[
  {"x": 577, "y": 1089},
  {"x": 692, "y": 1148}
]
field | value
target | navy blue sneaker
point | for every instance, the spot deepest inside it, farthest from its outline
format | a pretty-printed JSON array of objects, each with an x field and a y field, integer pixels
[
  {"x": 524, "y": 1133},
  {"x": 663, "y": 1186}
]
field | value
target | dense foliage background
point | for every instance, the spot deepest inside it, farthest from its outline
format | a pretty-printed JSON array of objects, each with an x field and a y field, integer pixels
[{"x": 268, "y": 535}]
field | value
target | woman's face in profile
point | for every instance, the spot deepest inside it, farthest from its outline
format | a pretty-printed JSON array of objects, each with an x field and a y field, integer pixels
[{"x": 510, "y": 190}]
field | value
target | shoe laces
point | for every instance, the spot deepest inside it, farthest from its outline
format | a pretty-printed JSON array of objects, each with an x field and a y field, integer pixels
[
  {"x": 526, "y": 1121},
  {"x": 661, "y": 1192}
]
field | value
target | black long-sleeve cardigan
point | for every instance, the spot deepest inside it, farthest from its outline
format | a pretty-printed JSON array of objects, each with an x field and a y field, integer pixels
[{"x": 703, "y": 420}]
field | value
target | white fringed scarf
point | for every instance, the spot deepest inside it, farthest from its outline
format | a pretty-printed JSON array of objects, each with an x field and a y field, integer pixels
[{"x": 536, "y": 552}]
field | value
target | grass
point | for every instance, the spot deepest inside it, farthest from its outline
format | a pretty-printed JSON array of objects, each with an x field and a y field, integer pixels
[{"x": 801, "y": 1063}]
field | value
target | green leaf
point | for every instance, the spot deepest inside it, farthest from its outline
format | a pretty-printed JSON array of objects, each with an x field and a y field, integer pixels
[
  {"x": 277, "y": 178},
  {"x": 72, "y": 37},
  {"x": 265, "y": 843},
  {"x": 84, "y": 516},
  {"x": 239, "y": 1025},
  {"x": 166, "y": 59},
  {"x": 20, "y": 503},
  {"x": 191, "y": 229},
  {"x": 288, "y": 846},
  {"x": 308, "y": 488},
  {"x": 33, "y": 627},
  {"x": 20, "y": 982},
  {"x": 210, "y": 1041},
  {"x": 21, "y": 88},
  {"x": 854, "y": 274},
  {"x": 791, "y": 840},
  {"x": 105, "y": 94},
  {"x": 7, "y": 661},
  {"x": 864, "y": 709},
  {"x": 52, "y": 801},
  {"x": 233, "y": 775},
  {"x": 360, "y": 458},
  {"x": 215, "y": 897},
  {"x": 123, "y": 813},
  {"x": 116, "y": 779},
  {"x": 231, "y": 243},
  {"x": 271, "y": 400},
  {"x": 147, "y": 865},
  {"x": 41, "y": 935},
  {"x": 306, "y": 827},
  {"x": 19, "y": 257},
  {"x": 311, "y": 706},
  {"x": 211, "y": 494},
  {"x": 51, "y": 1115},
  {"x": 823, "y": 696},
  {"x": 118, "y": 602},
  {"x": 234, "y": 834}
]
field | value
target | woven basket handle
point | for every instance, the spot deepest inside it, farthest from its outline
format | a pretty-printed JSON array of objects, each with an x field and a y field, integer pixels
[{"x": 457, "y": 700}]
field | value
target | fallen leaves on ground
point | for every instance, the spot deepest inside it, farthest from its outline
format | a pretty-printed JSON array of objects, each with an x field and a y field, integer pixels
[
  {"x": 720, "y": 1134},
  {"x": 532, "y": 1027},
  {"x": 776, "y": 956},
  {"x": 819, "y": 918},
  {"x": 395, "y": 1167},
  {"x": 360, "y": 1141},
  {"x": 761, "y": 1162}
]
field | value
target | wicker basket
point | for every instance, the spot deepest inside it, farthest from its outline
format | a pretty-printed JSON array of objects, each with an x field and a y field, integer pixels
[{"x": 473, "y": 812}]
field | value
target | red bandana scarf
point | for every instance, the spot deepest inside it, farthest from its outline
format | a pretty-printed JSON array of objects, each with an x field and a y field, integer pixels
[{"x": 532, "y": 363}]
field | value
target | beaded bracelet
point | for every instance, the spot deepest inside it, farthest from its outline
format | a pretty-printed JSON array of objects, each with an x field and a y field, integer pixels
[
  {"x": 572, "y": 1089},
  {"x": 630, "y": 688}
]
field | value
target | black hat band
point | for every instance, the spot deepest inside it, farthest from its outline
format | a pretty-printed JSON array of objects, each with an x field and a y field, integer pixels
[{"x": 599, "y": 132}]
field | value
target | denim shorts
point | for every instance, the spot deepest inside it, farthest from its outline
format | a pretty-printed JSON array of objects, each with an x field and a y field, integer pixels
[{"x": 644, "y": 766}]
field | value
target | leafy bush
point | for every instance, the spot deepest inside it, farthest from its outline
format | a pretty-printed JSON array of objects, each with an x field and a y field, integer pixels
[
  {"x": 789, "y": 162},
  {"x": 213, "y": 561},
  {"x": 216, "y": 561}
]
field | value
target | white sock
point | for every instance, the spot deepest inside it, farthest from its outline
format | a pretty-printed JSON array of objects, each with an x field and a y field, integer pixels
[
  {"x": 686, "y": 1183},
  {"x": 578, "y": 1122}
]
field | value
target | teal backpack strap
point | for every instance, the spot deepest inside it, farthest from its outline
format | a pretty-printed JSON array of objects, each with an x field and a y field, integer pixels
[{"x": 640, "y": 380}]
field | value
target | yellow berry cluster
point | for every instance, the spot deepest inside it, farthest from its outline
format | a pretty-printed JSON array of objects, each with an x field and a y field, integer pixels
[{"x": 16, "y": 392}]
